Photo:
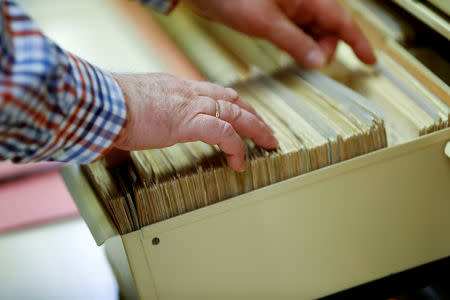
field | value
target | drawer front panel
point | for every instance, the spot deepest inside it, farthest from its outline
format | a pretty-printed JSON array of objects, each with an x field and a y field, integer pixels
[{"x": 312, "y": 235}]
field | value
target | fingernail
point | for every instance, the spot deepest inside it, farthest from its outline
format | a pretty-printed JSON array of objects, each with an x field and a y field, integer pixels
[{"x": 315, "y": 59}]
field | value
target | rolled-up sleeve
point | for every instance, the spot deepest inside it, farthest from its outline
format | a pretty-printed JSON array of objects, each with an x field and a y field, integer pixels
[{"x": 54, "y": 106}]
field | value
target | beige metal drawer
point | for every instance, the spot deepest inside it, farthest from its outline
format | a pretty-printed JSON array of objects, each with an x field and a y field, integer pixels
[{"x": 303, "y": 238}]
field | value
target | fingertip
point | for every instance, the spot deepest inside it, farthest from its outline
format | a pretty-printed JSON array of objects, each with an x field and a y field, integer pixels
[
  {"x": 270, "y": 142},
  {"x": 328, "y": 45},
  {"x": 236, "y": 163},
  {"x": 314, "y": 59},
  {"x": 350, "y": 33},
  {"x": 372, "y": 59},
  {"x": 369, "y": 58},
  {"x": 273, "y": 143},
  {"x": 365, "y": 52}
]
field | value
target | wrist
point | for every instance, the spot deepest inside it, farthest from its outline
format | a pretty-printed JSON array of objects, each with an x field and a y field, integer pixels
[{"x": 121, "y": 139}]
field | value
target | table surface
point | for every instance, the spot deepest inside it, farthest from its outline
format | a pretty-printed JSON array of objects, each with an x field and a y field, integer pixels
[{"x": 55, "y": 261}]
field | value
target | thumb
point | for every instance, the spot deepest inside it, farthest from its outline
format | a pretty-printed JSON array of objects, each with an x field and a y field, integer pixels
[{"x": 291, "y": 38}]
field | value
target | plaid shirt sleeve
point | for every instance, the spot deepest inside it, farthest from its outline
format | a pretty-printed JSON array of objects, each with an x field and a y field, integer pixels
[{"x": 54, "y": 106}]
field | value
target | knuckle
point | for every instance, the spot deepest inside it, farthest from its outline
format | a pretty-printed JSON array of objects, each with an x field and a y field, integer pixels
[
  {"x": 227, "y": 130},
  {"x": 181, "y": 107},
  {"x": 186, "y": 89},
  {"x": 234, "y": 96},
  {"x": 188, "y": 92},
  {"x": 235, "y": 113},
  {"x": 198, "y": 105}
]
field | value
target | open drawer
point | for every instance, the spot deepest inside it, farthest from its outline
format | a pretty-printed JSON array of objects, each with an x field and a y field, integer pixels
[{"x": 303, "y": 238}]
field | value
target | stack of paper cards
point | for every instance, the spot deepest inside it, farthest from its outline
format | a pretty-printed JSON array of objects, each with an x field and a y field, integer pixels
[{"x": 314, "y": 128}]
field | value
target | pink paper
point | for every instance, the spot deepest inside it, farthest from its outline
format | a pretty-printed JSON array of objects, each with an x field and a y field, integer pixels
[
  {"x": 34, "y": 200},
  {"x": 10, "y": 171}
]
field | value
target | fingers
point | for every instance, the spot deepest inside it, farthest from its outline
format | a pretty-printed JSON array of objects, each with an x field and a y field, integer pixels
[
  {"x": 212, "y": 90},
  {"x": 174, "y": 112},
  {"x": 225, "y": 131},
  {"x": 323, "y": 18},
  {"x": 350, "y": 33},
  {"x": 339, "y": 21},
  {"x": 247, "y": 125},
  {"x": 212, "y": 130},
  {"x": 328, "y": 45},
  {"x": 289, "y": 37},
  {"x": 216, "y": 91},
  {"x": 244, "y": 122}
]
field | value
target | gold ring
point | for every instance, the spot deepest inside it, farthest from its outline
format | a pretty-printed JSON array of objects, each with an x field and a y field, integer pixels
[{"x": 217, "y": 110}]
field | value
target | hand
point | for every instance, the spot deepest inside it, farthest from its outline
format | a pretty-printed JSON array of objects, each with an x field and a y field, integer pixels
[
  {"x": 307, "y": 29},
  {"x": 164, "y": 110}
]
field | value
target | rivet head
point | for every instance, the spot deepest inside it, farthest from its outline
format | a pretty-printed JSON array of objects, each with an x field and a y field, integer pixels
[{"x": 155, "y": 241}]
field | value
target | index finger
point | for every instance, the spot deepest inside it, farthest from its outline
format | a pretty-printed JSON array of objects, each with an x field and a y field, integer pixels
[{"x": 334, "y": 18}]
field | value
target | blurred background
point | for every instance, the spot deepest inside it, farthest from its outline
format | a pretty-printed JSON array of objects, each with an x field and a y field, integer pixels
[{"x": 46, "y": 250}]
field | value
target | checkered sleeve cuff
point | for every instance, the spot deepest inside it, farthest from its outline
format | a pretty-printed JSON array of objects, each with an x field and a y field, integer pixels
[{"x": 96, "y": 117}]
